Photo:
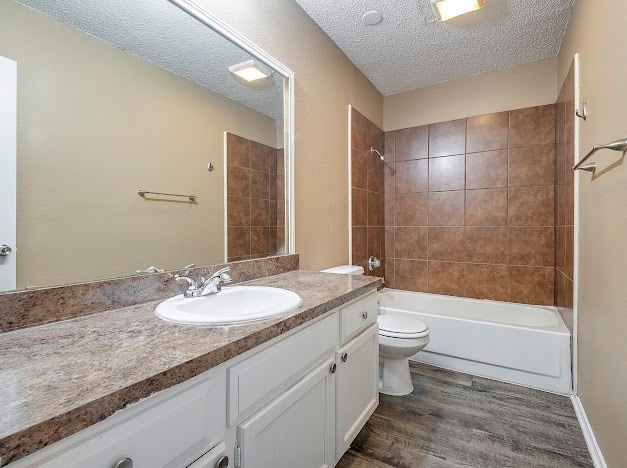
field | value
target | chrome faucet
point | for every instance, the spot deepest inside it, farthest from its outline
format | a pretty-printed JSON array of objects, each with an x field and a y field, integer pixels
[{"x": 211, "y": 285}]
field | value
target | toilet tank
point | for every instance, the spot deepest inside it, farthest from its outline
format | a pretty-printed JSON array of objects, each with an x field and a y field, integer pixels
[{"x": 345, "y": 270}]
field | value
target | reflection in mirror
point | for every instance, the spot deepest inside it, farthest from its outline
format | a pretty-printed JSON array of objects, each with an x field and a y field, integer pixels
[{"x": 110, "y": 98}]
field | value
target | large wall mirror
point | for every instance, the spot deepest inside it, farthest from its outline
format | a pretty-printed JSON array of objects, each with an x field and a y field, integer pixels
[{"x": 136, "y": 134}]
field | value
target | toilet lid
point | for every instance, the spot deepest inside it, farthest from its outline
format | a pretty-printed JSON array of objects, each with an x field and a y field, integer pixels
[{"x": 401, "y": 326}]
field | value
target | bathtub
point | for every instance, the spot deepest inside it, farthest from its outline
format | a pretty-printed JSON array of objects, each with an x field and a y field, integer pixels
[{"x": 516, "y": 343}]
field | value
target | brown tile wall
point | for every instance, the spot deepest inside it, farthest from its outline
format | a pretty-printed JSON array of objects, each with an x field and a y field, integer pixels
[
  {"x": 367, "y": 189},
  {"x": 564, "y": 194},
  {"x": 469, "y": 207},
  {"x": 255, "y": 199}
]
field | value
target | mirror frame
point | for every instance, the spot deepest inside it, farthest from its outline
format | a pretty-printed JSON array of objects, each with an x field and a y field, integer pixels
[{"x": 209, "y": 19}]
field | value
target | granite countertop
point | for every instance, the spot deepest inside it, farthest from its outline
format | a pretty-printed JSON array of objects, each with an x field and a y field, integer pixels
[{"x": 59, "y": 378}]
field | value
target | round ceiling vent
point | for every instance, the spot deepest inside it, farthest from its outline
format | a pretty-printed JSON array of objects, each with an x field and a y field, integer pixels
[{"x": 372, "y": 17}]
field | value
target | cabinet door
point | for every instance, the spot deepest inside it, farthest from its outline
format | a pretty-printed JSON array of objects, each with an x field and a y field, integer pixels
[
  {"x": 357, "y": 385},
  {"x": 294, "y": 430}
]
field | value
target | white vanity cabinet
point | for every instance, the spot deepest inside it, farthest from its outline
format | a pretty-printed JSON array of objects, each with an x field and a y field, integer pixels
[
  {"x": 313, "y": 423},
  {"x": 297, "y": 429},
  {"x": 298, "y": 400},
  {"x": 357, "y": 385}
]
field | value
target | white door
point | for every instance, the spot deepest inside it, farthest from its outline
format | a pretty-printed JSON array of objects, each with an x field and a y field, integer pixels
[
  {"x": 357, "y": 386},
  {"x": 294, "y": 430},
  {"x": 8, "y": 137}
]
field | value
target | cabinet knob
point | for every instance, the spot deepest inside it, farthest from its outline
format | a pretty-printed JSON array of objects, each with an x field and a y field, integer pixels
[
  {"x": 124, "y": 463},
  {"x": 333, "y": 368},
  {"x": 364, "y": 314},
  {"x": 223, "y": 462},
  {"x": 344, "y": 357},
  {"x": 5, "y": 250}
]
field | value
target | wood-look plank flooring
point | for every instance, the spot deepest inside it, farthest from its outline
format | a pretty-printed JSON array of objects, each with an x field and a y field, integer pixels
[{"x": 453, "y": 419}]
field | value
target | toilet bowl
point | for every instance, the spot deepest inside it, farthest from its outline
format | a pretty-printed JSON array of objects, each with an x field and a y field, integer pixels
[{"x": 400, "y": 337}]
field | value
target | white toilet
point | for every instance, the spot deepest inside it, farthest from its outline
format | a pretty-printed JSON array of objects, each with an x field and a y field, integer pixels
[{"x": 400, "y": 337}]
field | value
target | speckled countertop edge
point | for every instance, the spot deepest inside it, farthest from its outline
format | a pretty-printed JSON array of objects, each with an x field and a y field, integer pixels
[{"x": 62, "y": 377}]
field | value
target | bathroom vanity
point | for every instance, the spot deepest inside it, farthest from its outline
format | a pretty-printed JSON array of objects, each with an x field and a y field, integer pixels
[{"x": 289, "y": 392}]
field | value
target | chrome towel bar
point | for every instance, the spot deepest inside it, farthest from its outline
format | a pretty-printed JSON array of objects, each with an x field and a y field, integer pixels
[
  {"x": 143, "y": 193},
  {"x": 618, "y": 145}
]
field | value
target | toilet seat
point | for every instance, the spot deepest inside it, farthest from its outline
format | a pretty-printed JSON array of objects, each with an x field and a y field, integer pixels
[{"x": 401, "y": 326}]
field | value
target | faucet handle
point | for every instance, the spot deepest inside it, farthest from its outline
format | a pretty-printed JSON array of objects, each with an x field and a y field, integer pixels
[
  {"x": 223, "y": 272},
  {"x": 187, "y": 269},
  {"x": 191, "y": 284}
]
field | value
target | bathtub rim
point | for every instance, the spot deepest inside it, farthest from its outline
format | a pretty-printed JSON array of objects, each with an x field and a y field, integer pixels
[{"x": 560, "y": 328}]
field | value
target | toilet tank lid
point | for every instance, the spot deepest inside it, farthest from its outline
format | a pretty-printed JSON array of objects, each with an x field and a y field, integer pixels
[{"x": 345, "y": 270}]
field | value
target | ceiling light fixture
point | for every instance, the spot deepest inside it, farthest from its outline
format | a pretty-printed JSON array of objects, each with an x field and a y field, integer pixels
[
  {"x": 250, "y": 70},
  {"x": 447, "y": 9}
]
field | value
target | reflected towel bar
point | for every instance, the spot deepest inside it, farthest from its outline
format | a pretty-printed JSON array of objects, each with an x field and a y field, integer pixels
[
  {"x": 143, "y": 193},
  {"x": 618, "y": 145}
]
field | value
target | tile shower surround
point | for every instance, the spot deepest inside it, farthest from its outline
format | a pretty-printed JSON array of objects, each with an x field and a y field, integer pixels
[
  {"x": 469, "y": 207},
  {"x": 255, "y": 199},
  {"x": 564, "y": 194},
  {"x": 367, "y": 193}
]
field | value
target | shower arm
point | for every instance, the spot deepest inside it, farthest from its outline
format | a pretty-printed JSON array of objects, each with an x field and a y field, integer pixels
[{"x": 374, "y": 151}]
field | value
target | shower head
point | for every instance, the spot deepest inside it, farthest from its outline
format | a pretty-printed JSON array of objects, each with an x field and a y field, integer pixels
[{"x": 374, "y": 151}]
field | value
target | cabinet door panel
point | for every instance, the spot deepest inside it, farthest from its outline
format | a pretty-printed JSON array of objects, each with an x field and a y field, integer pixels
[
  {"x": 296, "y": 429},
  {"x": 357, "y": 386}
]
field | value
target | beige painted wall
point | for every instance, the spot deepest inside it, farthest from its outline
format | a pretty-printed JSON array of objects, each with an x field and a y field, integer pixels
[
  {"x": 528, "y": 85},
  {"x": 94, "y": 125},
  {"x": 597, "y": 32},
  {"x": 326, "y": 83}
]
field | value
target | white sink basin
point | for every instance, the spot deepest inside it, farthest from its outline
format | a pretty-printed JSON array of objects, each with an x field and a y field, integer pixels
[{"x": 236, "y": 304}]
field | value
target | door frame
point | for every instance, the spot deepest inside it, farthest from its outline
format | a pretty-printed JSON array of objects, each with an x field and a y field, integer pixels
[
  {"x": 577, "y": 124},
  {"x": 8, "y": 174}
]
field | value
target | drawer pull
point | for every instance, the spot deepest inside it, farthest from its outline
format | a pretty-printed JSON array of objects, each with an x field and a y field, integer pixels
[
  {"x": 364, "y": 315},
  {"x": 223, "y": 462},
  {"x": 333, "y": 368},
  {"x": 344, "y": 357},
  {"x": 124, "y": 463}
]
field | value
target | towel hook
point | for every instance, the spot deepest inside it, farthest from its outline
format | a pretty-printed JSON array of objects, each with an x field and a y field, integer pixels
[{"x": 584, "y": 111}]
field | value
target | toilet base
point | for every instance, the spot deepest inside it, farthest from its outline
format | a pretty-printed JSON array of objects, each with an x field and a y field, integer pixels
[{"x": 394, "y": 377}]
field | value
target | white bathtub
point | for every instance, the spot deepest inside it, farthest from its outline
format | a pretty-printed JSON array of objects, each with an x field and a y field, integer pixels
[{"x": 517, "y": 343}]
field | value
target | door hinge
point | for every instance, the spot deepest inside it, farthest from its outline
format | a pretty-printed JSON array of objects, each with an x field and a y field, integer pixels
[{"x": 237, "y": 456}]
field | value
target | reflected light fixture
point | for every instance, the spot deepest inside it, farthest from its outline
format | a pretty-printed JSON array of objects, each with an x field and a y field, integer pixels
[
  {"x": 250, "y": 70},
  {"x": 447, "y": 9}
]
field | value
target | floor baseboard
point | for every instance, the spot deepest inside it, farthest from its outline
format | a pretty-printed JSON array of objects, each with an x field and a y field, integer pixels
[{"x": 588, "y": 435}]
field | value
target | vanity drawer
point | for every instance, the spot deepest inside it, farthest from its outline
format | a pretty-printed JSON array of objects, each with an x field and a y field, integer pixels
[
  {"x": 255, "y": 381},
  {"x": 358, "y": 315},
  {"x": 169, "y": 432}
]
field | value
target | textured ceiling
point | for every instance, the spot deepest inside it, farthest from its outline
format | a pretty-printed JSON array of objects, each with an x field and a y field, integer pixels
[
  {"x": 410, "y": 48},
  {"x": 162, "y": 33}
]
